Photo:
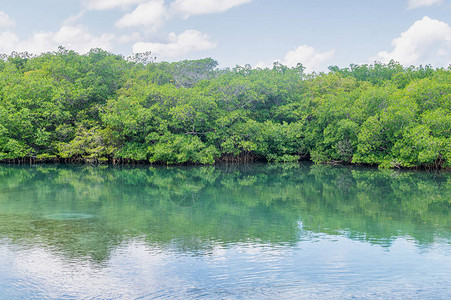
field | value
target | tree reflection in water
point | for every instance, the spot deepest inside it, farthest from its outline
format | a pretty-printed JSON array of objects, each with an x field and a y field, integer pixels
[{"x": 87, "y": 211}]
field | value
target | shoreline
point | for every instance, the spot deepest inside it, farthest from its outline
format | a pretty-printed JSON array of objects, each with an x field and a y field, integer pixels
[{"x": 218, "y": 162}]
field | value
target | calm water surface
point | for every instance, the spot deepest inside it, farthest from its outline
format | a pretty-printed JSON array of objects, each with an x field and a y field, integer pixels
[{"x": 230, "y": 232}]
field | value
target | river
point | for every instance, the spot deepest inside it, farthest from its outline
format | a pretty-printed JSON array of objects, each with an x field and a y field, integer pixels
[{"x": 286, "y": 231}]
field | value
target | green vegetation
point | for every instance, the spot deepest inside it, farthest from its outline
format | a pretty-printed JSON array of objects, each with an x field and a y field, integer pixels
[{"x": 101, "y": 107}]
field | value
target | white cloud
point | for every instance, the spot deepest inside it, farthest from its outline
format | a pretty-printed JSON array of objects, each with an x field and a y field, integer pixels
[
  {"x": 129, "y": 38},
  {"x": 8, "y": 42},
  {"x": 151, "y": 14},
  {"x": 310, "y": 58},
  {"x": 74, "y": 18},
  {"x": 199, "y": 7},
  {"x": 108, "y": 4},
  {"x": 154, "y": 13},
  {"x": 427, "y": 41},
  {"x": 5, "y": 20},
  {"x": 419, "y": 3},
  {"x": 72, "y": 37},
  {"x": 79, "y": 39},
  {"x": 188, "y": 41}
]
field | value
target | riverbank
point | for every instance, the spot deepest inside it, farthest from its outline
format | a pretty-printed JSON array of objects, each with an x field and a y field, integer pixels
[{"x": 222, "y": 161}]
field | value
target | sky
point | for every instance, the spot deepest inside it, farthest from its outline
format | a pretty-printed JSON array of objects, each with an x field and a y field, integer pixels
[{"x": 316, "y": 33}]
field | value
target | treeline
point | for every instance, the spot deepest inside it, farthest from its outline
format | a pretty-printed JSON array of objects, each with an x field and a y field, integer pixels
[{"x": 101, "y": 107}]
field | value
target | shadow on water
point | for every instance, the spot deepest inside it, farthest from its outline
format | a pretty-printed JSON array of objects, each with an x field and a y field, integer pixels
[{"x": 87, "y": 211}]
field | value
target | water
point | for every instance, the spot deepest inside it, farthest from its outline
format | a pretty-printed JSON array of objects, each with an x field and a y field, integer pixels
[{"x": 232, "y": 232}]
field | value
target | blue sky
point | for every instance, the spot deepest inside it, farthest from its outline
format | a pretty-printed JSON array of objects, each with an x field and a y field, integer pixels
[{"x": 236, "y": 32}]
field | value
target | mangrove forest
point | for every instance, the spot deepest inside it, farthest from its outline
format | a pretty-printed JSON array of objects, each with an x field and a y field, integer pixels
[{"x": 101, "y": 107}]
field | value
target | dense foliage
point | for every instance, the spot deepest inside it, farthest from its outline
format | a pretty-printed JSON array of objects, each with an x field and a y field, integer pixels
[{"x": 102, "y": 107}]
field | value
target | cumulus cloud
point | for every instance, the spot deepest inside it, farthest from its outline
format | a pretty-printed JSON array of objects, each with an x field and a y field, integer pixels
[
  {"x": 427, "y": 41},
  {"x": 5, "y": 20},
  {"x": 200, "y": 7},
  {"x": 78, "y": 38},
  {"x": 188, "y": 41},
  {"x": 310, "y": 58},
  {"x": 74, "y": 18},
  {"x": 9, "y": 42},
  {"x": 151, "y": 14},
  {"x": 108, "y": 4},
  {"x": 129, "y": 38},
  {"x": 419, "y": 3},
  {"x": 72, "y": 37}
]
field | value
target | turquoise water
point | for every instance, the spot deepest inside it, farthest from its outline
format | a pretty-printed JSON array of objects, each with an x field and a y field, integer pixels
[{"x": 230, "y": 232}]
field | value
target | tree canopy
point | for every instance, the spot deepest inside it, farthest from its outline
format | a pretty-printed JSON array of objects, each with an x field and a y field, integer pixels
[{"x": 101, "y": 107}]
